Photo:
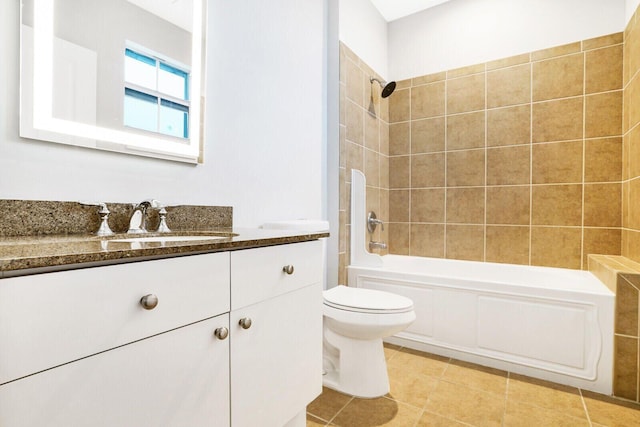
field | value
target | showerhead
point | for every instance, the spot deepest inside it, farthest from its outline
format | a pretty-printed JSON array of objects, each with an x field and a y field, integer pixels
[{"x": 387, "y": 88}]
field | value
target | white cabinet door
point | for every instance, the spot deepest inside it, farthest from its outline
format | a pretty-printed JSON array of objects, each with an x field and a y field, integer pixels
[
  {"x": 276, "y": 364},
  {"x": 178, "y": 378}
]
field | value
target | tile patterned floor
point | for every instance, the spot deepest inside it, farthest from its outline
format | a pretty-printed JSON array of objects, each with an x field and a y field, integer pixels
[{"x": 429, "y": 390}]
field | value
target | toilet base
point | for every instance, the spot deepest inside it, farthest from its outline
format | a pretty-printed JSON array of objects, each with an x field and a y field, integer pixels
[{"x": 355, "y": 367}]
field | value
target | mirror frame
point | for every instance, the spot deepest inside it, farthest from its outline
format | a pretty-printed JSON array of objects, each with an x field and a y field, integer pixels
[{"x": 39, "y": 108}]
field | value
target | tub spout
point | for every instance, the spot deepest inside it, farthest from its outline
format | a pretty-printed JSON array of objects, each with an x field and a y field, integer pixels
[{"x": 377, "y": 245}]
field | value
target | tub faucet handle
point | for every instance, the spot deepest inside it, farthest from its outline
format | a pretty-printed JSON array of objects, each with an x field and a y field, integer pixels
[
  {"x": 373, "y": 221},
  {"x": 104, "y": 212}
]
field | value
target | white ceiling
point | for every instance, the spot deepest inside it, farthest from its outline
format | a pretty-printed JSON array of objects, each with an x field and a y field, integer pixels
[{"x": 395, "y": 9}]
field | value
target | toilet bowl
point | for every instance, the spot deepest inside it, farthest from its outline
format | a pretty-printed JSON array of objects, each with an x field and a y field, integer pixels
[{"x": 355, "y": 322}]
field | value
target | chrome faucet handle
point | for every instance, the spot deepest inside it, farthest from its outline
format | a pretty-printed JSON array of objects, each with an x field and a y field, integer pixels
[
  {"x": 104, "y": 212},
  {"x": 377, "y": 245},
  {"x": 372, "y": 222},
  {"x": 162, "y": 227}
]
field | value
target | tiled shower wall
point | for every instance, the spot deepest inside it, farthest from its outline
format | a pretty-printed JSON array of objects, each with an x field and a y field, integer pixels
[
  {"x": 631, "y": 128},
  {"x": 364, "y": 145},
  {"x": 516, "y": 160}
]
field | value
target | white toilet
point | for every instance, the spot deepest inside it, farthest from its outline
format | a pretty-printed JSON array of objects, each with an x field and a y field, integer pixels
[{"x": 355, "y": 322}]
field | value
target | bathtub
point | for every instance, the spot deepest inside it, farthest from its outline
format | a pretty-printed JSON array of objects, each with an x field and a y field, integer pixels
[{"x": 549, "y": 323}]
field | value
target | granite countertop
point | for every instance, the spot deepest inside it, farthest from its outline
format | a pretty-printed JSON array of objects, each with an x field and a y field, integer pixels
[{"x": 24, "y": 255}]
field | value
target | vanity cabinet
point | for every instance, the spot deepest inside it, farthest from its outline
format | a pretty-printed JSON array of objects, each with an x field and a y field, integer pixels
[
  {"x": 77, "y": 347},
  {"x": 276, "y": 363}
]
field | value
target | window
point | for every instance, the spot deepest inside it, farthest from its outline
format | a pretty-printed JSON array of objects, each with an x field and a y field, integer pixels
[{"x": 156, "y": 95}]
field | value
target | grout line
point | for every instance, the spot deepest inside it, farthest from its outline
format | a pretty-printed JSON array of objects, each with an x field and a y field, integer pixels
[
  {"x": 506, "y": 398},
  {"x": 584, "y": 405},
  {"x": 584, "y": 132},
  {"x": 530, "y": 159},
  {"x": 486, "y": 161},
  {"x": 446, "y": 156},
  {"x": 340, "y": 410}
]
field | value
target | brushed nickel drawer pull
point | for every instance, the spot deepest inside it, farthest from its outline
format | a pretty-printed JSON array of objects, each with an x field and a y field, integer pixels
[
  {"x": 288, "y": 269},
  {"x": 245, "y": 322},
  {"x": 221, "y": 333},
  {"x": 149, "y": 302}
]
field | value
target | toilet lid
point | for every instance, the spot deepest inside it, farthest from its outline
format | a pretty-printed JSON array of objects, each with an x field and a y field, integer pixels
[{"x": 366, "y": 300}]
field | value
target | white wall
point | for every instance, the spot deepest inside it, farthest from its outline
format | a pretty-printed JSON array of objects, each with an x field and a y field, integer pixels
[
  {"x": 466, "y": 32},
  {"x": 630, "y": 8},
  {"x": 364, "y": 31},
  {"x": 264, "y": 124}
]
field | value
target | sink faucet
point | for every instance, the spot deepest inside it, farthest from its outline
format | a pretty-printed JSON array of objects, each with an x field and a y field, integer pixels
[
  {"x": 138, "y": 220},
  {"x": 377, "y": 245}
]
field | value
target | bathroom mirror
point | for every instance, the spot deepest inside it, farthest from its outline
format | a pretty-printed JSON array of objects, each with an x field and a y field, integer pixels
[{"x": 117, "y": 75}]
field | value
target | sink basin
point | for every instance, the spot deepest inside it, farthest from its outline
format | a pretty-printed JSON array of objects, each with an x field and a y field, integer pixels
[{"x": 161, "y": 239}]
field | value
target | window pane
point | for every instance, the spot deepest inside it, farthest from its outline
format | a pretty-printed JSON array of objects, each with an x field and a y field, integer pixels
[
  {"x": 140, "y": 69},
  {"x": 172, "y": 81},
  {"x": 174, "y": 119},
  {"x": 140, "y": 110}
]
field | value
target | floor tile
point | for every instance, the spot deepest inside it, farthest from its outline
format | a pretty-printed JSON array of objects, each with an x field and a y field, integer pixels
[
  {"x": 315, "y": 421},
  {"x": 429, "y": 419},
  {"x": 476, "y": 376},
  {"x": 519, "y": 414},
  {"x": 611, "y": 412},
  {"x": 377, "y": 412},
  {"x": 417, "y": 362},
  {"x": 390, "y": 350},
  {"x": 410, "y": 388},
  {"x": 546, "y": 395},
  {"x": 465, "y": 404},
  {"x": 327, "y": 405}
]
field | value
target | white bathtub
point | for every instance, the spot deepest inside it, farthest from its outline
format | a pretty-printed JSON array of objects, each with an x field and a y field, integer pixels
[{"x": 550, "y": 323}]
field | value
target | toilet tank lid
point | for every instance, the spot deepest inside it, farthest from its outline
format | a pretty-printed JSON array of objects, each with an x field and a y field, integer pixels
[
  {"x": 368, "y": 299},
  {"x": 298, "y": 225}
]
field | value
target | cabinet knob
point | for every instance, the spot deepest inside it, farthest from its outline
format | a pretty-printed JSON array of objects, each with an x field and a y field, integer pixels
[
  {"x": 245, "y": 322},
  {"x": 288, "y": 269},
  {"x": 149, "y": 302},
  {"x": 221, "y": 333}
]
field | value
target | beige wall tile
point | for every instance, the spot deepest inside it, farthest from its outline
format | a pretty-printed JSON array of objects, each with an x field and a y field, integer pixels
[
  {"x": 465, "y": 130},
  {"x": 403, "y": 84},
  {"x": 465, "y": 242},
  {"x": 603, "y": 69},
  {"x": 509, "y": 62},
  {"x": 557, "y": 162},
  {"x": 399, "y": 172},
  {"x": 556, "y": 205},
  {"x": 427, "y": 135},
  {"x": 509, "y": 126},
  {"x": 557, "y": 120},
  {"x": 399, "y": 238},
  {"x": 384, "y": 172},
  {"x": 428, "y": 170},
  {"x": 466, "y": 94},
  {"x": 384, "y": 138},
  {"x": 465, "y": 71},
  {"x": 465, "y": 205},
  {"x": 602, "y": 205},
  {"x": 429, "y": 78},
  {"x": 556, "y": 247},
  {"x": 343, "y": 146},
  {"x": 509, "y": 86},
  {"x": 428, "y": 205},
  {"x": 633, "y": 42},
  {"x": 565, "y": 49},
  {"x": 559, "y": 77},
  {"x": 625, "y": 376},
  {"x": 400, "y": 106},
  {"x": 371, "y": 132},
  {"x": 626, "y": 322},
  {"x": 633, "y": 110},
  {"x": 427, "y": 240},
  {"x": 631, "y": 244},
  {"x": 355, "y": 157},
  {"x": 427, "y": 100},
  {"x": 603, "y": 41},
  {"x": 465, "y": 168},
  {"x": 354, "y": 122},
  {"x": 372, "y": 168},
  {"x": 508, "y": 244},
  {"x": 399, "y": 134},
  {"x": 603, "y": 114},
  {"x": 633, "y": 214},
  {"x": 508, "y": 205},
  {"x": 605, "y": 241},
  {"x": 354, "y": 82},
  {"x": 508, "y": 165},
  {"x": 342, "y": 107},
  {"x": 633, "y": 153},
  {"x": 603, "y": 160}
]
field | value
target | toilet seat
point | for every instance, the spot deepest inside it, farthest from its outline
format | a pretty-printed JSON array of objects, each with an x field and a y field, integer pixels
[{"x": 362, "y": 300}]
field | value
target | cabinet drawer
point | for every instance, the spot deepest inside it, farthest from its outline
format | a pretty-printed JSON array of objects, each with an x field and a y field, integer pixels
[
  {"x": 54, "y": 318},
  {"x": 258, "y": 274}
]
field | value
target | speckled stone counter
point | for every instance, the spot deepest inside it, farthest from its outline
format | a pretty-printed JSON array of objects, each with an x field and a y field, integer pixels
[{"x": 42, "y": 236}]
